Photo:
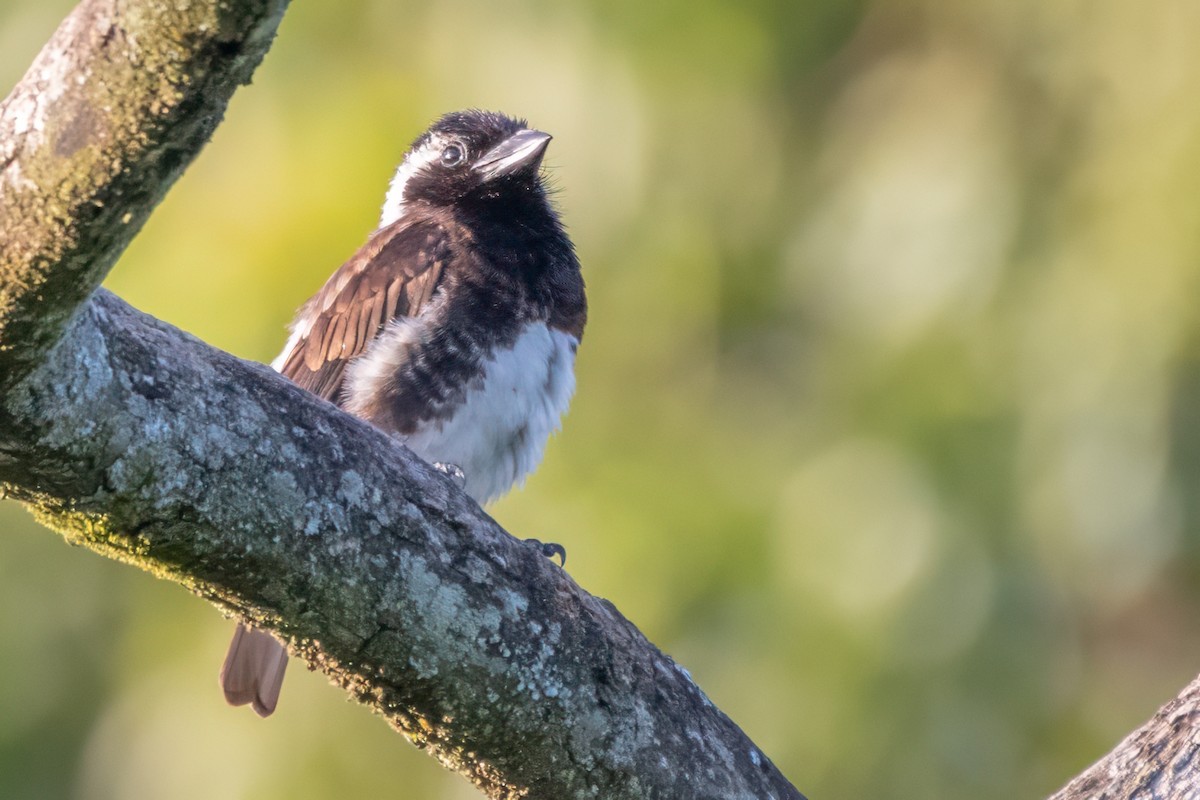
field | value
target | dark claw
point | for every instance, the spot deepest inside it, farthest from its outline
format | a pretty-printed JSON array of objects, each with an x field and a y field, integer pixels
[{"x": 550, "y": 550}]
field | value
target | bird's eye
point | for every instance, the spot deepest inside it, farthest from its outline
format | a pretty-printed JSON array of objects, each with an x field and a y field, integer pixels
[{"x": 453, "y": 155}]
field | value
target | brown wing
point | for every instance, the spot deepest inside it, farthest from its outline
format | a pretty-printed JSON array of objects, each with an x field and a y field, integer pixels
[{"x": 393, "y": 275}]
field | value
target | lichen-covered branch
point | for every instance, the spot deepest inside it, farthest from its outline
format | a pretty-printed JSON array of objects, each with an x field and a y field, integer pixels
[
  {"x": 1159, "y": 761},
  {"x": 115, "y": 106},
  {"x": 142, "y": 443}
]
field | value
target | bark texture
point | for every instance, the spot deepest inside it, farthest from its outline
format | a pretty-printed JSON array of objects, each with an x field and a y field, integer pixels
[
  {"x": 137, "y": 441},
  {"x": 1159, "y": 761},
  {"x": 140, "y": 442}
]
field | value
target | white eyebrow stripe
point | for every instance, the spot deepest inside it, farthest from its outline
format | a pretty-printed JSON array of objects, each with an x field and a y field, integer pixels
[{"x": 414, "y": 162}]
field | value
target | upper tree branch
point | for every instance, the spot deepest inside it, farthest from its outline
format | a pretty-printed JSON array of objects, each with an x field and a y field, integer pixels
[{"x": 116, "y": 105}]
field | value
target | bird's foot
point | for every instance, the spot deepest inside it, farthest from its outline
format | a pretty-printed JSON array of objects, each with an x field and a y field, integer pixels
[
  {"x": 453, "y": 472},
  {"x": 550, "y": 550}
]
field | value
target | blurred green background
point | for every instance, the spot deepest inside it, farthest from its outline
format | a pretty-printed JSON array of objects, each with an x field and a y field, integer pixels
[{"x": 888, "y": 418}]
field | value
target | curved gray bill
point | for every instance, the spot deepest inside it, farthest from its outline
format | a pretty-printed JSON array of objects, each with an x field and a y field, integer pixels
[{"x": 524, "y": 148}]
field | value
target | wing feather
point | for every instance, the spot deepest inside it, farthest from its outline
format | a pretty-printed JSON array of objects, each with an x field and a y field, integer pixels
[
  {"x": 393, "y": 275},
  {"x": 394, "y": 290}
]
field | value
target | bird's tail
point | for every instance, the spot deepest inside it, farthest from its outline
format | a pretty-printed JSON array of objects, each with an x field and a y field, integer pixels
[{"x": 253, "y": 670}]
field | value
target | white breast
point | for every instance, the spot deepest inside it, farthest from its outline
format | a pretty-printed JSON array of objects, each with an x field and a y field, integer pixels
[{"x": 497, "y": 436}]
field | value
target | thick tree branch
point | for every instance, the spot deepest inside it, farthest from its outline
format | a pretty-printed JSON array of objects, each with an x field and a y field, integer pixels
[
  {"x": 139, "y": 442},
  {"x": 115, "y": 106},
  {"x": 1156, "y": 762}
]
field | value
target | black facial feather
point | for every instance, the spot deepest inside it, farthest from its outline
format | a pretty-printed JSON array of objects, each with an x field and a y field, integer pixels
[
  {"x": 477, "y": 125},
  {"x": 475, "y": 132}
]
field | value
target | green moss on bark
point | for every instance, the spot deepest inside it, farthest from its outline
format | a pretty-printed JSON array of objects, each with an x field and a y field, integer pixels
[{"x": 117, "y": 104}]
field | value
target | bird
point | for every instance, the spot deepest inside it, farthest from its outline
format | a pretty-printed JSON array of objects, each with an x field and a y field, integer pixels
[{"x": 454, "y": 328}]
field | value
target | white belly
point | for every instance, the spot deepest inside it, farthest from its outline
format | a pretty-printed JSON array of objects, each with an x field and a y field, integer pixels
[{"x": 498, "y": 434}]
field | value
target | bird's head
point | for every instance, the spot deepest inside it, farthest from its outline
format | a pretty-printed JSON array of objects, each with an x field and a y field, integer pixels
[{"x": 469, "y": 156}]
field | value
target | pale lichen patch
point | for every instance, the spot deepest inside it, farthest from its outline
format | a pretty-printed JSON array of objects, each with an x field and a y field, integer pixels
[
  {"x": 351, "y": 489},
  {"x": 475, "y": 569},
  {"x": 281, "y": 489},
  {"x": 514, "y": 603},
  {"x": 444, "y": 607}
]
